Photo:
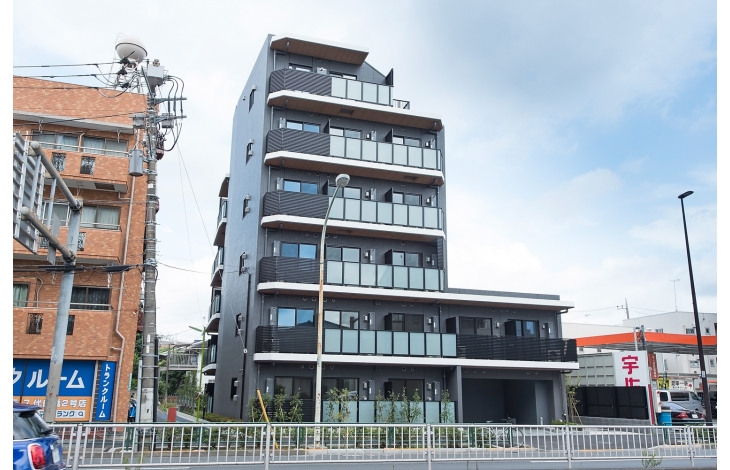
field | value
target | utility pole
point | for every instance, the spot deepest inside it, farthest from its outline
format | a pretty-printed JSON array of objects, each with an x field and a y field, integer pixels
[
  {"x": 626, "y": 307},
  {"x": 147, "y": 410}
]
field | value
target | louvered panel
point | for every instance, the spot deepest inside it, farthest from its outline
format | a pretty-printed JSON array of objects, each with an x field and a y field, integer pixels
[
  {"x": 300, "y": 204},
  {"x": 298, "y": 80}
]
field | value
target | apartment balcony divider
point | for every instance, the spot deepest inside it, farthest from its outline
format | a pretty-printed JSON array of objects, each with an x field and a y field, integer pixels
[
  {"x": 299, "y": 270},
  {"x": 356, "y": 210},
  {"x": 303, "y": 340},
  {"x": 327, "y": 85},
  {"x": 312, "y": 143}
]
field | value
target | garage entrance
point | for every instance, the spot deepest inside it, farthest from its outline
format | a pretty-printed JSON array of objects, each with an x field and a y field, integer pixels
[{"x": 496, "y": 399}]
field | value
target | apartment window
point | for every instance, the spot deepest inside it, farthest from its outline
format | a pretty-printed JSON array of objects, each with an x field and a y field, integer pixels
[
  {"x": 409, "y": 386},
  {"x": 689, "y": 331},
  {"x": 344, "y": 75},
  {"x": 70, "y": 326},
  {"x": 342, "y": 319},
  {"x": 100, "y": 146},
  {"x": 289, "y": 386},
  {"x": 295, "y": 316},
  {"x": 59, "y": 161},
  {"x": 410, "y": 141},
  {"x": 352, "y": 133},
  {"x": 57, "y": 141},
  {"x": 298, "y": 250},
  {"x": 301, "y": 68},
  {"x": 249, "y": 151},
  {"x": 351, "y": 385},
  {"x": 106, "y": 218},
  {"x": 90, "y": 298},
  {"x": 404, "y": 322},
  {"x": 337, "y": 253},
  {"x": 35, "y": 323},
  {"x": 707, "y": 330},
  {"x": 87, "y": 165},
  {"x": 60, "y": 209},
  {"x": 300, "y": 187},
  {"x": 524, "y": 328},
  {"x": 401, "y": 258},
  {"x": 475, "y": 326},
  {"x": 347, "y": 192},
  {"x": 251, "y": 98},
  {"x": 302, "y": 126},
  {"x": 20, "y": 295},
  {"x": 403, "y": 198},
  {"x": 694, "y": 364}
]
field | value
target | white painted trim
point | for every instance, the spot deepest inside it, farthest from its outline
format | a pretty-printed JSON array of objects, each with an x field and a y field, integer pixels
[
  {"x": 355, "y": 163},
  {"x": 82, "y": 123},
  {"x": 415, "y": 361},
  {"x": 345, "y": 103},
  {"x": 323, "y": 42},
  {"x": 418, "y": 296},
  {"x": 348, "y": 224}
]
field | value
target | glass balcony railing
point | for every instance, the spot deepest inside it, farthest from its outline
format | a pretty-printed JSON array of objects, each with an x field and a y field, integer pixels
[
  {"x": 303, "y": 340},
  {"x": 222, "y": 210},
  {"x": 284, "y": 269},
  {"x": 218, "y": 260},
  {"x": 356, "y": 210},
  {"x": 362, "y": 91},
  {"x": 294, "y": 140},
  {"x": 215, "y": 306}
]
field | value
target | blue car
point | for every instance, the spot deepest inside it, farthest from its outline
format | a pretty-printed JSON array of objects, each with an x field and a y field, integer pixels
[{"x": 35, "y": 445}]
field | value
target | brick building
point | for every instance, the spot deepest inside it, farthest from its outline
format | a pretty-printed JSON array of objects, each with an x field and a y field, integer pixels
[{"x": 87, "y": 136}]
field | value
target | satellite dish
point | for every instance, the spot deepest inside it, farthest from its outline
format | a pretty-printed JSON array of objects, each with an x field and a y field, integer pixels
[{"x": 132, "y": 48}]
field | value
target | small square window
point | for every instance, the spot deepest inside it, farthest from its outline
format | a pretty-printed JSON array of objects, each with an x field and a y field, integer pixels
[
  {"x": 59, "y": 161},
  {"x": 87, "y": 165},
  {"x": 70, "y": 326},
  {"x": 251, "y": 98},
  {"x": 35, "y": 323},
  {"x": 707, "y": 331}
]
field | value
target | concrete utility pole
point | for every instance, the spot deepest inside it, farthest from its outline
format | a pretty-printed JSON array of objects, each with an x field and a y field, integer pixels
[
  {"x": 67, "y": 279},
  {"x": 147, "y": 407}
]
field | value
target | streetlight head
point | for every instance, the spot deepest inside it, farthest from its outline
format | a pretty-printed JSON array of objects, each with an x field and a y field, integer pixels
[
  {"x": 684, "y": 195},
  {"x": 342, "y": 180},
  {"x": 195, "y": 328}
]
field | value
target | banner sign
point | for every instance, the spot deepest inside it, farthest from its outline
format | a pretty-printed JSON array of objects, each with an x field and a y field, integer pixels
[
  {"x": 30, "y": 378},
  {"x": 653, "y": 369},
  {"x": 106, "y": 391}
]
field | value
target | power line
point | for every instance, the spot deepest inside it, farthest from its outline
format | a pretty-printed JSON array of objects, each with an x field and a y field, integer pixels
[
  {"x": 95, "y": 75},
  {"x": 63, "y": 65},
  {"x": 210, "y": 245}
]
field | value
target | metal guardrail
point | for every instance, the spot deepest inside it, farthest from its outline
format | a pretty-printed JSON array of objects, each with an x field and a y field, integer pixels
[{"x": 193, "y": 445}]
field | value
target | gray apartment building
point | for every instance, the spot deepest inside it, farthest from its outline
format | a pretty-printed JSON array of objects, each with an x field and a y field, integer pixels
[{"x": 312, "y": 109}]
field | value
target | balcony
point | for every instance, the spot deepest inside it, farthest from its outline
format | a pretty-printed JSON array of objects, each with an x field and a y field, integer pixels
[
  {"x": 400, "y": 347},
  {"x": 298, "y": 270},
  {"x": 305, "y": 212},
  {"x": 105, "y": 170},
  {"x": 220, "y": 234},
  {"x": 326, "y": 85},
  {"x": 214, "y": 314},
  {"x": 96, "y": 246},
  {"x": 217, "y": 269},
  {"x": 332, "y": 154},
  {"x": 211, "y": 352}
]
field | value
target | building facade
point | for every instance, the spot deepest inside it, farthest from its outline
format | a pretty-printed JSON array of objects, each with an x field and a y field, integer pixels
[
  {"x": 310, "y": 110},
  {"x": 87, "y": 137}
]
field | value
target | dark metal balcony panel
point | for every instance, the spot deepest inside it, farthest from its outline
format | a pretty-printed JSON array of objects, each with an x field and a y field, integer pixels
[
  {"x": 288, "y": 79},
  {"x": 299, "y": 204},
  {"x": 278, "y": 268},
  {"x": 293, "y": 140},
  {"x": 293, "y": 340},
  {"x": 514, "y": 348}
]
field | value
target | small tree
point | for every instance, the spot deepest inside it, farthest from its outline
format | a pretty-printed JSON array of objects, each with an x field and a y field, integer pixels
[
  {"x": 447, "y": 416},
  {"x": 393, "y": 400},
  {"x": 295, "y": 409},
  {"x": 380, "y": 416},
  {"x": 279, "y": 413},
  {"x": 416, "y": 414},
  {"x": 570, "y": 392},
  {"x": 254, "y": 408},
  {"x": 338, "y": 401}
]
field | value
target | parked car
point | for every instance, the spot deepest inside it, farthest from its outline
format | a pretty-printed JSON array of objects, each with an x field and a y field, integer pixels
[
  {"x": 35, "y": 445},
  {"x": 685, "y": 398},
  {"x": 682, "y": 416}
]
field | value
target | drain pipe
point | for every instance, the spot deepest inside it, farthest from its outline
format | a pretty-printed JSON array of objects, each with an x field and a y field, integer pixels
[{"x": 119, "y": 304}]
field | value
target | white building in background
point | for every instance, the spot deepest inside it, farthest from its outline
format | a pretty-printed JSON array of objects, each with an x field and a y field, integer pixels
[{"x": 682, "y": 370}]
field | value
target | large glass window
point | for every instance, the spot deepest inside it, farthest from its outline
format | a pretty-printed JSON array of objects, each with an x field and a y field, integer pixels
[
  {"x": 57, "y": 141},
  {"x": 99, "y": 217},
  {"x": 300, "y": 187},
  {"x": 404, "y": 322},
  {"x": 298, "y": 250},
  {"x": 302, "y": 126},
  {"x": 20, "y": 295},
  {"x": 343, "y": 319},
  {"x": 475, "y": 326},
  {"x": 524, "y": 328},
  {"x": 295, "y": 317},
  {"x": 410, "y": 141},
  {"x": 302, "y": 68},
  {"x": 289, "y": 386},
  {"x": 351, "y": 385},
  {"x": 90, "y": 298},
  {"x": 407, "y": 386},
  {"x": 100, "y": 146}
]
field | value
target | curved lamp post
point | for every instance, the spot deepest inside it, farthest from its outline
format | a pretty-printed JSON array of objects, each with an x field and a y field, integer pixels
[
  {"x": 698, "y": 330},
  {"x": 341, "y": 181},
  {"x": 200, "y": 375}
]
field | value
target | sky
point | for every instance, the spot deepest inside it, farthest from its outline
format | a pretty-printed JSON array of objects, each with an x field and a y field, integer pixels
[{"x": 571, "y": 128}]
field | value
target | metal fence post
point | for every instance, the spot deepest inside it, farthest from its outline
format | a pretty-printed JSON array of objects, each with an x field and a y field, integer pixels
[
  {"x": 690, "y": 445},
  {"x": 267, "y": 456},
  {"x": 428, "y": 445},
  {"x": 77, "y": 447},
  {"x": 568, "y": 449}
]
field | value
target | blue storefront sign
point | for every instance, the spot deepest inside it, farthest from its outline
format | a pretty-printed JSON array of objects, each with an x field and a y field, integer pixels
[{"x": 106, "y": 391}]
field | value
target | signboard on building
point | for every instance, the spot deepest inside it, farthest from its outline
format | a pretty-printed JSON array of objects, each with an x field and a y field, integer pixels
[
  {"x": 631, "y": 369},
  {"x": 653, "y": 369},
  {"x": 30, "y": 378},
  {"x": 106, "y": 391}
]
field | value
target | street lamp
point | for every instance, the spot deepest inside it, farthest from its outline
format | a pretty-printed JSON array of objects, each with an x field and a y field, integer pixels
[
  {"x": 340, "y": 182},
  {"x": 703, "y": 373},
  {"x": 200, "y": 375}
]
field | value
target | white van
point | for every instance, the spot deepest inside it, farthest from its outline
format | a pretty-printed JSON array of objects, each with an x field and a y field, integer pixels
[{"x": 685, "y": 398}]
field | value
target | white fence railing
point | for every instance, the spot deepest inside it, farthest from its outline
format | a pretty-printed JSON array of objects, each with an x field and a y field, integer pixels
[{"x": 221, "y": 444}]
